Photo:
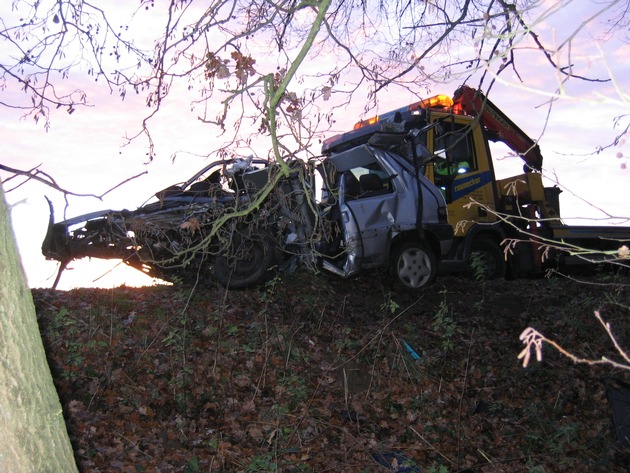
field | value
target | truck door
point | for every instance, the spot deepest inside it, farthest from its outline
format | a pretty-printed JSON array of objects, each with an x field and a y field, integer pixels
[{"x": 462, "y": 170}]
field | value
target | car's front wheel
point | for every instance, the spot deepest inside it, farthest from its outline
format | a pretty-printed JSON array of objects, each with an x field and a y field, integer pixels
[
  {"x": 414, "y": 265},
  {"x": 246, "y": 261}
]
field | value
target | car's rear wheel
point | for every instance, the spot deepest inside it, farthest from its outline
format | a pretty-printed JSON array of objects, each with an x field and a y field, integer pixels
[
  {"x": 413, "y": 265},
  {"x": 247, "y": 260}
]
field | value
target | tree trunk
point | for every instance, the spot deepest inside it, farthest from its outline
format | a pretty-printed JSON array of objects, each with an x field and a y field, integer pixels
[{"x": 33, "y": 436}]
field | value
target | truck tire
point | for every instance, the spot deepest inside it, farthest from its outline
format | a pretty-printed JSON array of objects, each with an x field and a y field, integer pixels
[
  {"x": 246, "y": 262},
  {"x": 413, "y": 265},
  {"x": 487, "y": 252}
]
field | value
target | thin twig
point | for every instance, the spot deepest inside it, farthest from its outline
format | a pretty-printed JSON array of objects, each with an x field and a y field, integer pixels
[
  {"x": 531, "y": 338},
  {"x": 431, "y": 446},
  {"x": 461, "y": 398}
]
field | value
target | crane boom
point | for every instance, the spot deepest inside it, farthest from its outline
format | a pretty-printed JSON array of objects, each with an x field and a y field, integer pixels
[{"x": 471, "y": 102}]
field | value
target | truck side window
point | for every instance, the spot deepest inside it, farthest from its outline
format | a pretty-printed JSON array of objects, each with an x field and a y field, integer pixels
[
  {"x": 454, "y": 144},
  {"x": 454, "y": 148}
]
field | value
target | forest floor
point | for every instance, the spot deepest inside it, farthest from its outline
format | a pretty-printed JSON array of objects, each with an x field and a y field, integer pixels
[{"x": 315, "y": 374}]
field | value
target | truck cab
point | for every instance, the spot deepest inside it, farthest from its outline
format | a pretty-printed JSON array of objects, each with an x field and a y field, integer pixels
[
  {"x": 513, "y": 225},
  {"x": 461, "y": 170}
]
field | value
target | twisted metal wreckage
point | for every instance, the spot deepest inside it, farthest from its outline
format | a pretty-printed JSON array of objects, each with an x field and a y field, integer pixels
[{"x": 338, "y": 214}]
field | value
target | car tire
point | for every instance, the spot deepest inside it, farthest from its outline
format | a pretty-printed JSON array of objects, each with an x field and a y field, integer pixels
[
  {"x": 490, "y": 254},
  {"x": 413, "y": 265},
  {"x": 246, "y": 262}
]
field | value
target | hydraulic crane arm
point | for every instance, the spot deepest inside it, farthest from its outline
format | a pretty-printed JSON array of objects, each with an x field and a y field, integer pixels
[{"x": 471, "y": 102}]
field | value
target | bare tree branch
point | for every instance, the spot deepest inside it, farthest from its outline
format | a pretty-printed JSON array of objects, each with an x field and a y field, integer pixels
[
  {"x": 534, "y": 340},
  {"x": 46, "y": 179}
]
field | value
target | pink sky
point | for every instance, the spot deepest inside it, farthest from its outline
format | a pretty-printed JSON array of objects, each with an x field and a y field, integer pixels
[{"x": 83, "y": 151}]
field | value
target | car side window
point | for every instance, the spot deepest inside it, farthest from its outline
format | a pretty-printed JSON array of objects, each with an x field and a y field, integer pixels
[{"x": 367, "y": 181}]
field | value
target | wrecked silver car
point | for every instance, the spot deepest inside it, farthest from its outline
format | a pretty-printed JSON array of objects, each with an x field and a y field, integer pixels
[{"x": 356, "y": 208}]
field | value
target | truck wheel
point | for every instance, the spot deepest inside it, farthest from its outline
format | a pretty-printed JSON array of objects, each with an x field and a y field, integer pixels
[
  {"x": 246, "y": 262},
  {"x": 486, "y": 260},
  {"x": 413, "y": 265}
]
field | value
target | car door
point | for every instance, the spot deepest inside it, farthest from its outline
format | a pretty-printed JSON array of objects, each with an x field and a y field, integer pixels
[{"x": 370, "y": 198}]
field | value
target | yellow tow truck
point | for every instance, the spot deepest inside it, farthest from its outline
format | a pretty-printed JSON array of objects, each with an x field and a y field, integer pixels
[{"x": 514, "y": 224}]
